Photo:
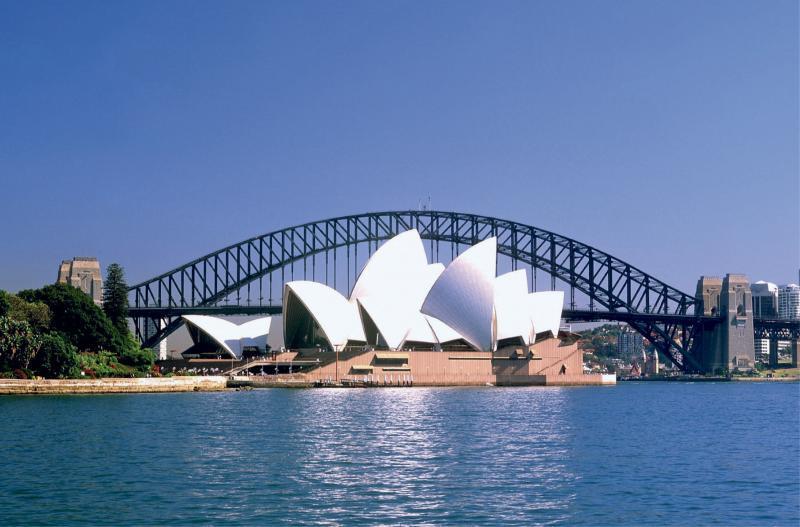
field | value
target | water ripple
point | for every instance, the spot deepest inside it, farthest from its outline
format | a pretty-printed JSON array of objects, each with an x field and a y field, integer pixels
[{"x": 635, "y": 454}]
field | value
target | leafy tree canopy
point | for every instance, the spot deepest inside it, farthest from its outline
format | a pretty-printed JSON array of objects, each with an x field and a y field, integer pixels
[
  {"x": 19, "y": 344},
  {"x": 75, "y": 315},
  {"x": 37, "y": 314}
]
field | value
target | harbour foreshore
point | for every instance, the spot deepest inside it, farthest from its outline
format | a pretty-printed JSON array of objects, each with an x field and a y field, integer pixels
[{"x": 113, "y": 385}]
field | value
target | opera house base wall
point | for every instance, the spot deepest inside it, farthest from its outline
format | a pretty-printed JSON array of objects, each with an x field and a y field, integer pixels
[{"x": 552, "y": 362}]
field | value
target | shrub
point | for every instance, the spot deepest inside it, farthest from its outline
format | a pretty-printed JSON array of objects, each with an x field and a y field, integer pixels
[
  {"x": 57, "y": 358},
  {"x": 18, "y": 344},
  {"x": 133, "y": 355}
]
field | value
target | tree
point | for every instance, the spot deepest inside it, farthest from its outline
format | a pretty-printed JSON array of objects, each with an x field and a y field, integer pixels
[
  {"x": 57, "y": 358},
  {"x": 115, "y": 297},
  {"x": 4, "y": 304},
  {"x": 37, "y": 314},
  {"x": 77, "y": 318},
  {"x": 19, "y": 344}
]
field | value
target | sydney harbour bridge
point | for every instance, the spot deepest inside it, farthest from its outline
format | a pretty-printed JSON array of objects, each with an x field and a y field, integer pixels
[{"x": 248, "y": 278}]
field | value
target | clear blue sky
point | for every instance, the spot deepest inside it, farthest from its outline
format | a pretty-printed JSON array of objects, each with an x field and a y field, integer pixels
[{"x": 150, "y": 133}]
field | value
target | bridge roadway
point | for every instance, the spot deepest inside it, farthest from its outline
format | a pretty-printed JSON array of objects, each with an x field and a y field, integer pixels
[
  {"x": 765, "y": 328},
  {"x": 570, "y": 315}
]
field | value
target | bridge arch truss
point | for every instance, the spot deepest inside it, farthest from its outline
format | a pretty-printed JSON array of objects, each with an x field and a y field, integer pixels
[{"x": 663, "y": 314}]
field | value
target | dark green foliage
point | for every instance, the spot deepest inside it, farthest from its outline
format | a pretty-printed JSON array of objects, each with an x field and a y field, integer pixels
[
  {"x": 115, "y": 297},
  {"x": 74, "y": 315},
  {"x": 19, "y": 344},
  {"x": 4, "y": 304},
  {"x": 133, "y": 355},
  {"x": 59, "y": 332},
  {"x": 57, "y": 358},
  {"x": 141, "y": 359},
  {"x": 37, "y": 314}
]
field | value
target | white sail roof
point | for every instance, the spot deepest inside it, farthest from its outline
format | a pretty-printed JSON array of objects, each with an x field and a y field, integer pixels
[
  {"x": 337, "y": 318},
  {"x": 230, "y": 336},
  {"x": 275, "y": 335},
  {"x": 392, "y": 287},
  {"x": 545, "y": 310},
  {"x": 390, "y": 318},
  {"x": 397, "y": 317},
  {"x": 396, "y": 265},
  {"x": 511, "y": 306},
  {"x": 463, "y": 295},
  {"x": 441, "y": 331}
]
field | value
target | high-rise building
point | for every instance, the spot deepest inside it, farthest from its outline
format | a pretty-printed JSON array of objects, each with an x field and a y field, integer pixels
[
  {"x": 789, "y": 302},
  {"x": 629, "y": 342},
  {"x": 83, "y": 272},
  {"x": 765, "y": 299}
]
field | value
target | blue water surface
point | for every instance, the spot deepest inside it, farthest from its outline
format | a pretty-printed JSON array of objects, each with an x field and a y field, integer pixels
[{"x": 633, "y": 454}]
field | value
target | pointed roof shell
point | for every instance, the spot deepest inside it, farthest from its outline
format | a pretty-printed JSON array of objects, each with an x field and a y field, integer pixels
[
  {"x": 545, "y": 310},
  {"x": 231, "y": 336},
  {"x": 337, "y": 318},
  {"x": 392, "y": 268},
  {"x": 511, "y": 306},
  {"x": 463, "y": 295}
]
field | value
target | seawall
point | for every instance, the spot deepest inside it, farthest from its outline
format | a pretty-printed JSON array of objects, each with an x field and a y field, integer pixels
[{"x": 112, "y": 385}]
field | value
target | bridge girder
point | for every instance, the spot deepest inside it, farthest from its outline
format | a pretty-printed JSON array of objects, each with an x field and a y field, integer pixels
[
  {"x": 608, "y": 281},
  {"x": 776, "y": 329}
]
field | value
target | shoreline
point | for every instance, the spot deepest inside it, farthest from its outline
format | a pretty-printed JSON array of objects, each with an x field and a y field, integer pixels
[
  {"x": 108, "y": 385},
  {"x": 222, "y": 383},
  {"x": 709, "y": 379}
]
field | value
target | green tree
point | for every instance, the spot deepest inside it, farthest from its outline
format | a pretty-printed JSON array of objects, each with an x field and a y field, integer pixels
[
  {"x": 57, "y": 358},
  {"x": 115, "y": 297},
  {"x": 77, "y": 318},
  {"x": 37, "y": 314},
  {"x": 4, "y": 304},
  {"x": 19, "y": 344}
]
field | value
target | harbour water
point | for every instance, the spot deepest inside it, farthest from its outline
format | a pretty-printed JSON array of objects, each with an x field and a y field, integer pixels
[{"x": 631, "y": 454}]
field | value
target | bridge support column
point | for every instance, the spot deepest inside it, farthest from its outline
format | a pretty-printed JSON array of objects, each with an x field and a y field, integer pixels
[
  {"x": 730, "y": 345},
  {"x": 773, "y": 352},
  {"x": 793, "y": 348}
]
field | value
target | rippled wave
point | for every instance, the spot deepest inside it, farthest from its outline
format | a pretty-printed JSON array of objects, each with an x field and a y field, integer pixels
[{"x": 635, "y": 454}]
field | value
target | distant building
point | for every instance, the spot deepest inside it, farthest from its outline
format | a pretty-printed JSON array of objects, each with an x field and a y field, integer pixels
[
  {"x": 651, "y": 366},
  {"x": 83, "y": 272},
  {"x": 765, "y": 299},
  {"x": 762, "y": 350},
  {"x": 629, "y": 342},
  {"x": 765, "y": 305},
  {"x": 789, "y": 302}
]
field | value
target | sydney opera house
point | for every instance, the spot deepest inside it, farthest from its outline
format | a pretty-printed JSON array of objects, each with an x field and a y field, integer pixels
[{"x": 408, "y": 321}]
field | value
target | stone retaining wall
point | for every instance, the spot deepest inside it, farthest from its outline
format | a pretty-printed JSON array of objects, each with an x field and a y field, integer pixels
[{"x": 112, "y": 385}]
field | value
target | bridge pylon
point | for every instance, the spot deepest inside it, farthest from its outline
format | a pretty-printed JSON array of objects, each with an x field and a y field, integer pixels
[{"x": 729, "y": 345}]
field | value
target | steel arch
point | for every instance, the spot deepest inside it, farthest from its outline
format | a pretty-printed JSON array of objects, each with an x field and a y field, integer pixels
[{"x": 612, "y": 283}]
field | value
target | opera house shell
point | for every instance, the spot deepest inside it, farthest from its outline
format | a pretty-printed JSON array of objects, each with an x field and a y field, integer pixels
[{"x": 401, "y": 302}]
